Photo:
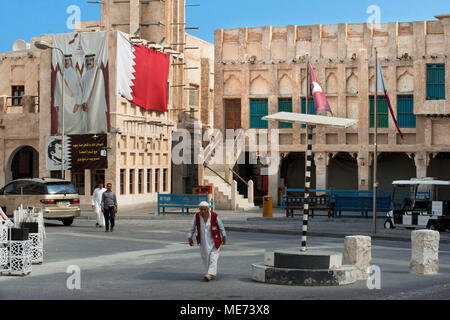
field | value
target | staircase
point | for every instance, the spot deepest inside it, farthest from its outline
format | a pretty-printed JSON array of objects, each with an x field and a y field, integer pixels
[
  {"x": 223, "y": 194},
  {"x": 226, "y": 195}
]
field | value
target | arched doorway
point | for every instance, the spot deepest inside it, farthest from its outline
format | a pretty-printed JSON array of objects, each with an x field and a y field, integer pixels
[
  {"x": 23, "y": 163},
  {"x": 343, "y": 172},
  {"x": 439, "y": 169},
  {"x": 251, "y": 170},
  {"x": 393, "y": 166},
  {"x": 293, "y": 171}
]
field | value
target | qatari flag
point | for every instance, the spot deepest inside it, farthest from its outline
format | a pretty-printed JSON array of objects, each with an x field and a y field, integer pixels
[
  {"x": 142, "y": 74},
  {"x": 320, "y": 100},
  {"x": 381, "y": 86}
]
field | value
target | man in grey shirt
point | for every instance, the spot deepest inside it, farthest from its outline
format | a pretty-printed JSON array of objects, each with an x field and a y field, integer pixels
[{"x": 109, "y": 207}]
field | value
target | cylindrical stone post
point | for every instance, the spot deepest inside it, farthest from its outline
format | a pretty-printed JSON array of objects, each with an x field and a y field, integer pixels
[
  {"x": 234, "y": 195},
  {"x": 424, "y": 252},
  {"x": 250, "y": 190},
  {"x": 358, "y": 252}
]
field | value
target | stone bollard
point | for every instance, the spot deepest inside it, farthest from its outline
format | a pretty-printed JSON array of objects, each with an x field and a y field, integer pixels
[
  {"x": 358, "y": 252},
  {"x": 424, "y": 252}
]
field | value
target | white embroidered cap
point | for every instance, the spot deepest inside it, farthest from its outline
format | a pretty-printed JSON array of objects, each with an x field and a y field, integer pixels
[{"x": 203, "y": 204}]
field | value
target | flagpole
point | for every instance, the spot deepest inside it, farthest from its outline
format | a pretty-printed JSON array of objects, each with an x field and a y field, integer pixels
[
  {"x": 308, "y": 161},
  {"x": 375, "y": 156}
]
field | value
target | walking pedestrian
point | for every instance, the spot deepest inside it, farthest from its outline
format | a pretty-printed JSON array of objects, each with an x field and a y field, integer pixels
[
  {"x": 109, "y": 207},
  {"x": 210, "y": 236},
  {"x": 97, "y": 204}
]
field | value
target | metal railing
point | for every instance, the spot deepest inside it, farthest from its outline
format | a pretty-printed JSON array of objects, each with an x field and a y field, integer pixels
[
  {"x": 217, "y": 174},
  {"x": 237, "y": 175}
]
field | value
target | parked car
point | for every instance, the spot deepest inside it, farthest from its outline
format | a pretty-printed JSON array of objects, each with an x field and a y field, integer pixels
[{"x": 58, "y": 198}]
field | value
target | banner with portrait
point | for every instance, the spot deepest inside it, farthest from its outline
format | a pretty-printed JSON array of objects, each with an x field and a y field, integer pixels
[
  {"x": 83, "y": 99},
  {"x": 83, "y": 152}
]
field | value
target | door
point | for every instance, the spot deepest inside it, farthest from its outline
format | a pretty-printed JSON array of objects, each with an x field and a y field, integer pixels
[{"x": 233, "y": 114}]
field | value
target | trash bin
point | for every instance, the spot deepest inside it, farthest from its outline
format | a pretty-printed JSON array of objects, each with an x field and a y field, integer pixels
[{"x": 267, "y": 206}]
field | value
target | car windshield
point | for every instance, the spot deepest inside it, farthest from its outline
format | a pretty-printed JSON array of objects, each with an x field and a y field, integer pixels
[{"x": 61, "y": 188}]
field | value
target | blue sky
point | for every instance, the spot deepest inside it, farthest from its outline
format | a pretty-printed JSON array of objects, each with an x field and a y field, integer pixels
[{"x": 23, "y": 19}]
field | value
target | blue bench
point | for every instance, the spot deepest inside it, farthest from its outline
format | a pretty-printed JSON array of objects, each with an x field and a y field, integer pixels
[
  {"x": 181, "y": 201},
  {"x": 362, "y": 204}
]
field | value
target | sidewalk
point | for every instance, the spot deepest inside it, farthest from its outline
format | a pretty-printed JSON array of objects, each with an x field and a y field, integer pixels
[{"x": 253, "y": 221}]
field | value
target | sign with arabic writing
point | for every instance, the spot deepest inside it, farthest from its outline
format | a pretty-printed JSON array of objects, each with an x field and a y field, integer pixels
[{"x": 84, "y": 151}]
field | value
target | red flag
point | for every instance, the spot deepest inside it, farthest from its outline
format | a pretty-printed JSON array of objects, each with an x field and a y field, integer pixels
[
  {"x": 151, "y": 76},
  {"x": 320, "y": 100},
  {"x": 142, "y": 74},
  {"x": 382, "y": 87}
]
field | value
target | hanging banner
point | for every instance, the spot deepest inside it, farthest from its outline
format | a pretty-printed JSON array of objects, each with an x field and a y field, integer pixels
[
  {"x": 82, "y": 152},
  {"x": 84, "y": 95}
]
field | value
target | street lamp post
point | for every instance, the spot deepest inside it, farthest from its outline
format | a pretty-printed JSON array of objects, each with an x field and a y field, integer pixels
[{"x": 44, "y": 46}]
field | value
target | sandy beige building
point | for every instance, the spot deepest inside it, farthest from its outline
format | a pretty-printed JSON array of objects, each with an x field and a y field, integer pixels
[
  {"x": 140, "y": 141},
  {"x": 260, "y": 71}
]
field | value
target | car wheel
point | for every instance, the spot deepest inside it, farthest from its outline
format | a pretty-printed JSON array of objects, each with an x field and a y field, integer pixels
[
  {"x": 388, "y": 224},
  {"x": 67, "y": 222}
]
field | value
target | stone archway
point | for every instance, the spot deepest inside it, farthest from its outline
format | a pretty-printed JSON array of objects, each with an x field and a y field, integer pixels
[
  {"x": 343, "y": 172},
  {"x": 393, "y": 166},
  {"x": 22, "y": 163},
  {"x": 439, "y": 169},
  {"x": 293, "y": 171}
]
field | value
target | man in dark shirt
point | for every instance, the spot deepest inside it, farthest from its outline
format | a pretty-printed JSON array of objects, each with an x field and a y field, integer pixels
[{"x": 109, "y": 207}]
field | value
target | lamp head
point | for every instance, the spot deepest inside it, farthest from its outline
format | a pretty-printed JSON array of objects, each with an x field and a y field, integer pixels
[{"x": 42, "y": 45}]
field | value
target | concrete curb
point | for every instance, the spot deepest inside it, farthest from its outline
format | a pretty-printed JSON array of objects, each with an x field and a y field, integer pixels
[{"x": 322, "y": 234}]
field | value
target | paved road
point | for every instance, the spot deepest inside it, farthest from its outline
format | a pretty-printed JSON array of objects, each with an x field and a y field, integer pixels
[{"x": 150, "y": 259}]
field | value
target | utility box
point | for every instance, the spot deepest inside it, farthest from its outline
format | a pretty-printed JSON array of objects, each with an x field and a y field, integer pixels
[{"x": 267, "y": 207}]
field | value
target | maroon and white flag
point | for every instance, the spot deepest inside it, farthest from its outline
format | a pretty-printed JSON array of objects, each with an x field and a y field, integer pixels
[
  {"x": 320, "y": 100},
  {"x": 381, "y": 86},
  {"x": 142, "y": 74}
]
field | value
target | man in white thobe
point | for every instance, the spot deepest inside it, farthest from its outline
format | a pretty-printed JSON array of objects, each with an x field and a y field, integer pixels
[
  {"x": 97, "y": 205},
  {"x": 209, "y": 227},
  {"x": 94, "y": 99},
  {"x": 72, "y": 98}
]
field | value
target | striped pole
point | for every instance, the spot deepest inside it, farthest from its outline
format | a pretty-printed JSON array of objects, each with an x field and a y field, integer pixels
[{"x": 308, "y": 160}]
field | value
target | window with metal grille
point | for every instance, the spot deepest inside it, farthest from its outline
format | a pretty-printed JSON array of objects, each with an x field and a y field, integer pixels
[
  {"x": 435, "y": 81},
  {"x": 122, "y": 181},
  {"x": 132, "y": 181},
  {"x": 193, "y": 95},
  {"x": 165, "y": 176},
  {"x": 382, "y": 112},
  {"x": 78, "y": 181},
  {"x": 405, "y": 111},
  {"x": 312, "y": 107},
  {"x": 97, "y": 176},
  {"x": 17, "y": 93},
  {"x": 259, "y": 108},
  {"x": 149, "y": 180},
  {"x": 157, "y": 180},
  {"x": 284, "y": 105},
  {"x": 141, "y": 181}
]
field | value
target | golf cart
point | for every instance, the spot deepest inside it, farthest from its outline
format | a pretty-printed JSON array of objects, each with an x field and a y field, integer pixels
[{"x": 420, "y": 203}]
